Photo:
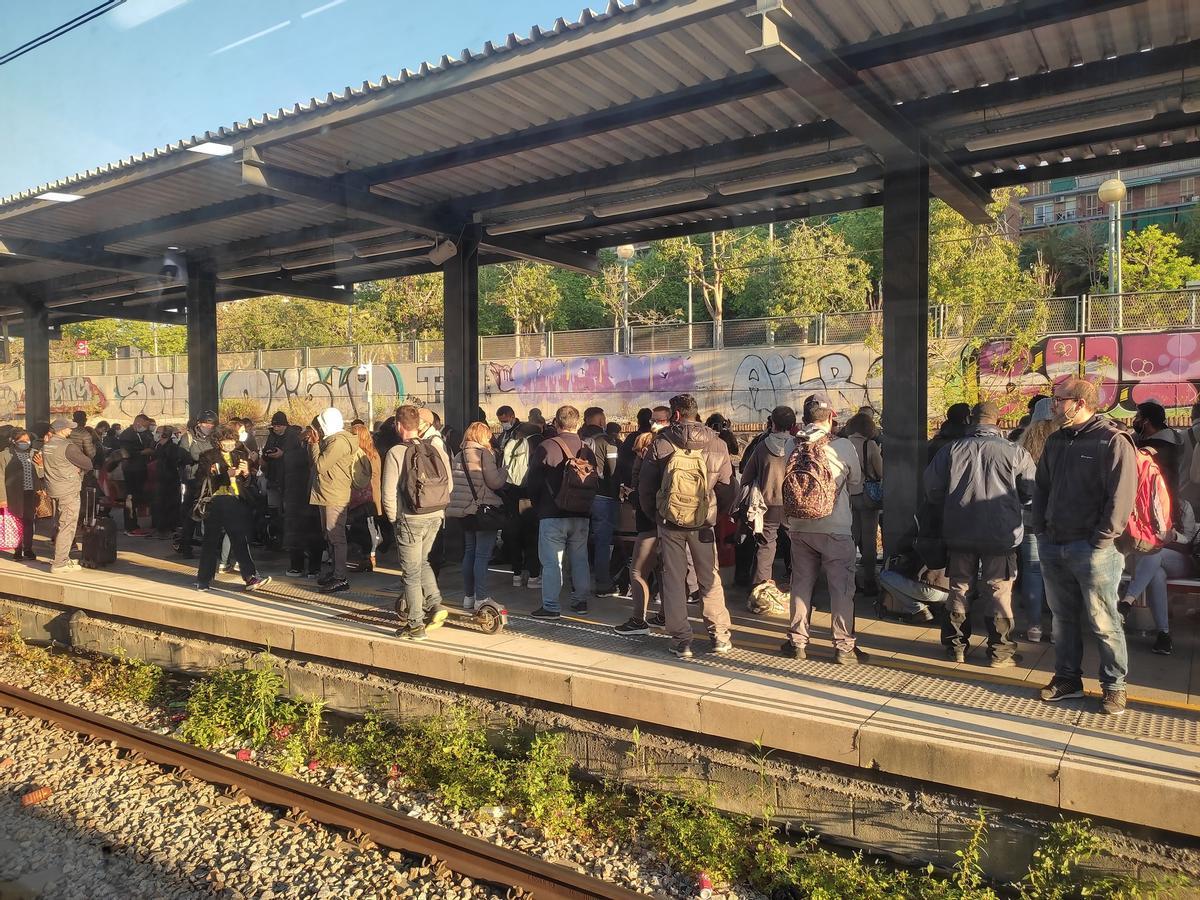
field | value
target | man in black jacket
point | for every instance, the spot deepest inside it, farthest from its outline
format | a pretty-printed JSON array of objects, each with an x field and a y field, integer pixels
[
  {"x": 137, "y": 446},
  {"x": 595, "y": 437},
  {"x": 981, "y": 482},
  {"x": 1084, "y": 493}
]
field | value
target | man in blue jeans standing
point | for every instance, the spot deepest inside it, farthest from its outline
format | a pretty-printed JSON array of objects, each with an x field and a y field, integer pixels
[
  {"x": 1083, "y": 497},
  {"x": 604, "y": 507},
  {"x": 560, "y": 530}
]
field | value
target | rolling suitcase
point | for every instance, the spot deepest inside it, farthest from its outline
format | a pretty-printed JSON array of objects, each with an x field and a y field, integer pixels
[{"x": 98, "y": 535}]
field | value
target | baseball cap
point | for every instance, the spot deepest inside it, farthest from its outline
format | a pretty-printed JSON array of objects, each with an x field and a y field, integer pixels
[
  {"x": 817, "y": 401},
  {"x": 61, "y": 424},
  {"x": 207, "y": 416}
]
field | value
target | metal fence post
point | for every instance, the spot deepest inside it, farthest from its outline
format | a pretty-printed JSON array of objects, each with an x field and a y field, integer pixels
[
  {"x": 549, "y": 343},
  {"x": 1192, "y": 318},
  {"x": 1081, "y": 314},
  {"x": 1120, "y": 312}
]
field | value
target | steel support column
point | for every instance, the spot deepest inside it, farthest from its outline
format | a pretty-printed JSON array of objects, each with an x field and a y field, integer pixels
[
  {"x": 201, "y": 339},
  {"x": 905, "y": 339},
  {"x": 460, "y": 287},
  {"x": 36, "y": 333}
]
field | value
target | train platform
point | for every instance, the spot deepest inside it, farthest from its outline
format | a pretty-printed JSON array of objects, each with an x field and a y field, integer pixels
[{"x": 910, "y": 712}]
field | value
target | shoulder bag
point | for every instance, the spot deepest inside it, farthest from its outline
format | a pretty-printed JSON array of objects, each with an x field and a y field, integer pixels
[{"x": 486, "y": 516}]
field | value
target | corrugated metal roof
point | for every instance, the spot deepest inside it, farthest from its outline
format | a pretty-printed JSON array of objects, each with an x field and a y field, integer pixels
[{"x": 478, "y": 104}]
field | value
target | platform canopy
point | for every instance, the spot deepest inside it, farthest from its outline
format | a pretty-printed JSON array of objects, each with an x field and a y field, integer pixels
[{"x": 647, "y": 121}]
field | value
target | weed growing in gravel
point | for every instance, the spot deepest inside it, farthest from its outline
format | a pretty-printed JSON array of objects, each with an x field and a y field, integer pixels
[
  {"x": 237, "y": 703},
  {"x": 133, "y": 679}
]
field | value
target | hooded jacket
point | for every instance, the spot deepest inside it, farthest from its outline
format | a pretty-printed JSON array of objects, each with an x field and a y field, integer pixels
[
  {"x": 333, "y": 462},
  {"x": 1085, "y": 484},
  {"x": 477, "y": 463},
  {"x": 546, "y": 472},
  {"x": 766, "y": 467},
  {"x": 606, "y": 451},
  {"x": 722, "y": 492},
  {"x": 847, "y": 473},
  {"x": 981, "y": 483},
  {"x": 1169, "y": 451}
]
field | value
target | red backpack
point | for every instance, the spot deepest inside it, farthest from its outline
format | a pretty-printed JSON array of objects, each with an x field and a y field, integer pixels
[{"x": 1149, "y": 525}]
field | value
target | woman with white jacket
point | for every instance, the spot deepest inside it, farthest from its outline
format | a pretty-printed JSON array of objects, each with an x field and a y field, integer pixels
[{"x": 477, "y": 478}]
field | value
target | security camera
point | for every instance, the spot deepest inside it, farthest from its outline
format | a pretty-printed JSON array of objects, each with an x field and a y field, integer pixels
[
  {"x": 174, "y": 266},
  {"x": 363, "y": 372},
  {"x": 442, "y": 252}
]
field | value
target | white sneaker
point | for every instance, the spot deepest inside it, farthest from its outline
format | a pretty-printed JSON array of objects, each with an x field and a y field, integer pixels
[
  {"x": 517, "y": 581},
  {"x": 534, "y": 583},
  {"x": 468, "y": 603},
  {"x": 1034, "y": 635}
]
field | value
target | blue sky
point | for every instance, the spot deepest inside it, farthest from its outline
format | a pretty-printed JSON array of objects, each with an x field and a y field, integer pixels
[{"x": 153, "y": 71}]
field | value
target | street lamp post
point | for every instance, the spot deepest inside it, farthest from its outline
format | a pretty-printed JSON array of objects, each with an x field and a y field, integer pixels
[
  {"x": 625, "y": 253},
  {"x": 1112, "y": 192}
]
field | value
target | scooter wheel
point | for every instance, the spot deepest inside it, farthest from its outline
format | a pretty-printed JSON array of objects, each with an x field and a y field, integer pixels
[{"x": 489, "y": 620}]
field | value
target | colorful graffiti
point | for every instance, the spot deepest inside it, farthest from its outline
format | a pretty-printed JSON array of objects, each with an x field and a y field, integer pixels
[
  {"x": 324, "y": 386},
  {"x": 151, "y": 394},
  {"x": 761, "y": 383},
  {"x": 594, "y": 374},
  {"x": 67, "y": 394},
  {"x": 1130, "y": 368}
]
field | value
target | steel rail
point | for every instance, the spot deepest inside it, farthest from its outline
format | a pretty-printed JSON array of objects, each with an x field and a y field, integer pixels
[{"x": 462, "y": 854}]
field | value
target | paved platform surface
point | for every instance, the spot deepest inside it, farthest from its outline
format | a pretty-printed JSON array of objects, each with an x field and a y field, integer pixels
[{"x": 910, "y": 713}]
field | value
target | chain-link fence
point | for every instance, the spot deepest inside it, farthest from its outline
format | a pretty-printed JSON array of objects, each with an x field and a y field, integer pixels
[
  {"x": 1143, "y": 311},
  {"x": 662, "y": 338}
]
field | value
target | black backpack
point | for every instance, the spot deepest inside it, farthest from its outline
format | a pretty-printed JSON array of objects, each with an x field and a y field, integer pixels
[
  {"x": 426, "y": 484},
  {"x": 579, "y": 484}
]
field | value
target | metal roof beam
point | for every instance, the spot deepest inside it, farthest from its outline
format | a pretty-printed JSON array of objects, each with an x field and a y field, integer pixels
[
  {"x": 688, "y": 99},
  {"x": 974, "y": 28},
  {"x": 269, "y": 285},
  {"x": 27, "y": 248},
  {"x": 84, "y": 312},
  {"x": 1095, "y": 165},
  {"x": 536, "y": 250},
  {"x": 215, "y": 212},
  {"x": 726, "y": 223},
  {"x": 818, "y": 76}
]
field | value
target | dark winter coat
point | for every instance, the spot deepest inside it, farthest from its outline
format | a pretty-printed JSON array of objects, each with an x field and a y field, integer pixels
[
  {"x": 546, "y": 471},
  {"x": 722, "y": 491}
]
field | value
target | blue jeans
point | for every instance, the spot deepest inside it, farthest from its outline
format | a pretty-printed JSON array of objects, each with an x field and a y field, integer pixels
[
  {"x": 1033, "y": 587},
  {"x": 1150, "y": 574},
  {"x": 604, "y": 523},
  {"x": 1082, "y": 584},
  {"x": 477, "y": 552},
  {"x": 414, "y": 540},
  {"x": 556, "y": 537}
]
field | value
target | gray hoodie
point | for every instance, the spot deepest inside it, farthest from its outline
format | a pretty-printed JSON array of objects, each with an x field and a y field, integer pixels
[
  {"x": 847, "y": 472},
  {"x": 766, "y": 467}
]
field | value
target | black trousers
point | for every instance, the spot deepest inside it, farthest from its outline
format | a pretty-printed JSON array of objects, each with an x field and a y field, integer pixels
[{"x": 227, "y": 515}]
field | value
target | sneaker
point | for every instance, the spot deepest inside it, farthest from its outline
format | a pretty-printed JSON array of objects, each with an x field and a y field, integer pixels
[
  {"x": 1061, "y": 689},
  {"x": 1112, "y": 703},
  {"x": 534, "y": 583},
  {"x": 1034, "y": 635},
  {"x": 694, "y": 598},
  {"x": 258, "y": 581},
  {"x": 18, "y": 554},
  {"x": 920, "y": 617},
  {"x": 542, "y": 613},
  {"x": 436, "y": 618},
  {"x": 657, "y": 620},
  {"x": 517, "y": 581},
  {"x": 633, "y": 626},
  {"x": 853, "y": 657},
  {"x": 334, "y": 586},
  {"x": 957, "y": 654},
  {"x": 1163, "y": 645},
  {"x": 682, "y": 651},
  {"x": 294, "y": 573},
  {"x": 579, "y": 606},
  {"x": 326, "y": 579},
  {"x": 721, "y": 647},
  {"x": 793, "y": 651},
  {"x": 412, "y": 633},
  {"x": 468, "y": 603},
  {"x": 200, "y": 586},
  {"x": 607, "y": 592},
  {"x": 65, "y": 569},
  {"x": 1007, "y": 662},
  {"x": 230, "y": 568}
]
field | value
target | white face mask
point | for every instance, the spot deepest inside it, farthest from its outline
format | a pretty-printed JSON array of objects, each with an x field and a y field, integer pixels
[
  {"x": 242, "y": 435},
  {"x": 139, "y": 428},
  {"x": 205, "y": 428},
  {"x": 506, "y": 426},
  {"x": 175, "y": 438},
  {"x": 658, "y": 426}
]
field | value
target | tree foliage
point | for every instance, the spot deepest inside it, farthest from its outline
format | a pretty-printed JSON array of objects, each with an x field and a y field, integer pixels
[
  {"x": 526, "y": 293},
  {"x": 718, "y": 264},
  {"x": 1151, "y": 261},
  {"x": 817, "y": 272}
]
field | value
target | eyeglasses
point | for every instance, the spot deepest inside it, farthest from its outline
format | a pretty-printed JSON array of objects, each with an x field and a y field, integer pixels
[{"x": 1056, "y": 400}]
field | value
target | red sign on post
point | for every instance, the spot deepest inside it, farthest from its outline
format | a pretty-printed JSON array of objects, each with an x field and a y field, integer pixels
[{"x": 81, "y": 348}]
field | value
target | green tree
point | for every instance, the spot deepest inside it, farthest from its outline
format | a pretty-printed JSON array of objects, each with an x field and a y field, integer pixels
[
  {"x": 718, "y": 264},
  {"x": 106, "y": 336},
  {"x": 1152, "y": 261},
  {"x": 816, "y": 271},
  {"x": 1189, "y": 233},
  {"x": 526, "y": 293},
  {"x": 411, "y": 307}
]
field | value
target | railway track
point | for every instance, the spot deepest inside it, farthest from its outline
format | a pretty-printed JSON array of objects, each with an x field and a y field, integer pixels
[{"x": 466, "y": 855}]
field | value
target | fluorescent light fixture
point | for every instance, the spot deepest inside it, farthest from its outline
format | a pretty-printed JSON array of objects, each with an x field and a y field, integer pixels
[
  {"x": 1058, "y": 129},
  {"x": 1190, "y": 106},
  {"x": 550, "y": 221},
  {"x": 392, "y": 247},
  {"x": 209, "y": 148},
  {"x": 783, "y": 179},
  {"x": 321, "y": 257},
  {"x": 1043, "y": 162},
  {"x": 173, "y": 309},
  {"x": 59, "y": 198},
  {"x": 1021, "y": 167},
  {"x": 648, "y": 203},
  {"x": 247, "y": 271}
]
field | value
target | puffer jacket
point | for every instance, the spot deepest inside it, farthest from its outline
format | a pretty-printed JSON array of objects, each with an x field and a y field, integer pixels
[
  {"x": 722, "y": 492},
  {"x": 982, "y": 483},
  {"x": 477, "y": 462}
]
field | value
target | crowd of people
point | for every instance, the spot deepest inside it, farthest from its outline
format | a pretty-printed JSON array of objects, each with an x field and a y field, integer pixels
[{"x": 1045, "y": 519}]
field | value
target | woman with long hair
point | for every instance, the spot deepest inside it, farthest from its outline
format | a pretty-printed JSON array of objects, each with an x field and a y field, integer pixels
[
  {"x": 644, "y": 559},
  {"x": 366, "y": 500},
  {"x": 21, "y": 477},
  {"x": 477, "y": 479},
  {"x": 1033, "y": 588},
  {"x": 863, "y": 433}
]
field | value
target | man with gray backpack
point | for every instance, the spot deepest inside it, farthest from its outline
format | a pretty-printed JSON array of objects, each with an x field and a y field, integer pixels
[
  {"x": 686, "y": 481},
  {"x": 822, "y": 473}
]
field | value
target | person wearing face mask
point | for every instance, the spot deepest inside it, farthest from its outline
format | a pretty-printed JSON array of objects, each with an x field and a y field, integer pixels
[
  {"x": 137, "y": 448},
  {"x": 226, "y": 468},
  {"x": 21, "y": 477},
  {"x": 515, "y": 445},
  {"x": 1082, "y": 499},
  {"x": 196, "y": 441},
  {"x": 64, "y": 464},
  {"x": 170, "y": 473},
  {"x": 1152, "y": 432}
]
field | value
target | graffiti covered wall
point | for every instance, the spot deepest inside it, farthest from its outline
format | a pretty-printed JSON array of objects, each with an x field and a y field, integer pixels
[
  {"x": 744, "y": 385},
  {"x": 1130, "y": 368}
]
